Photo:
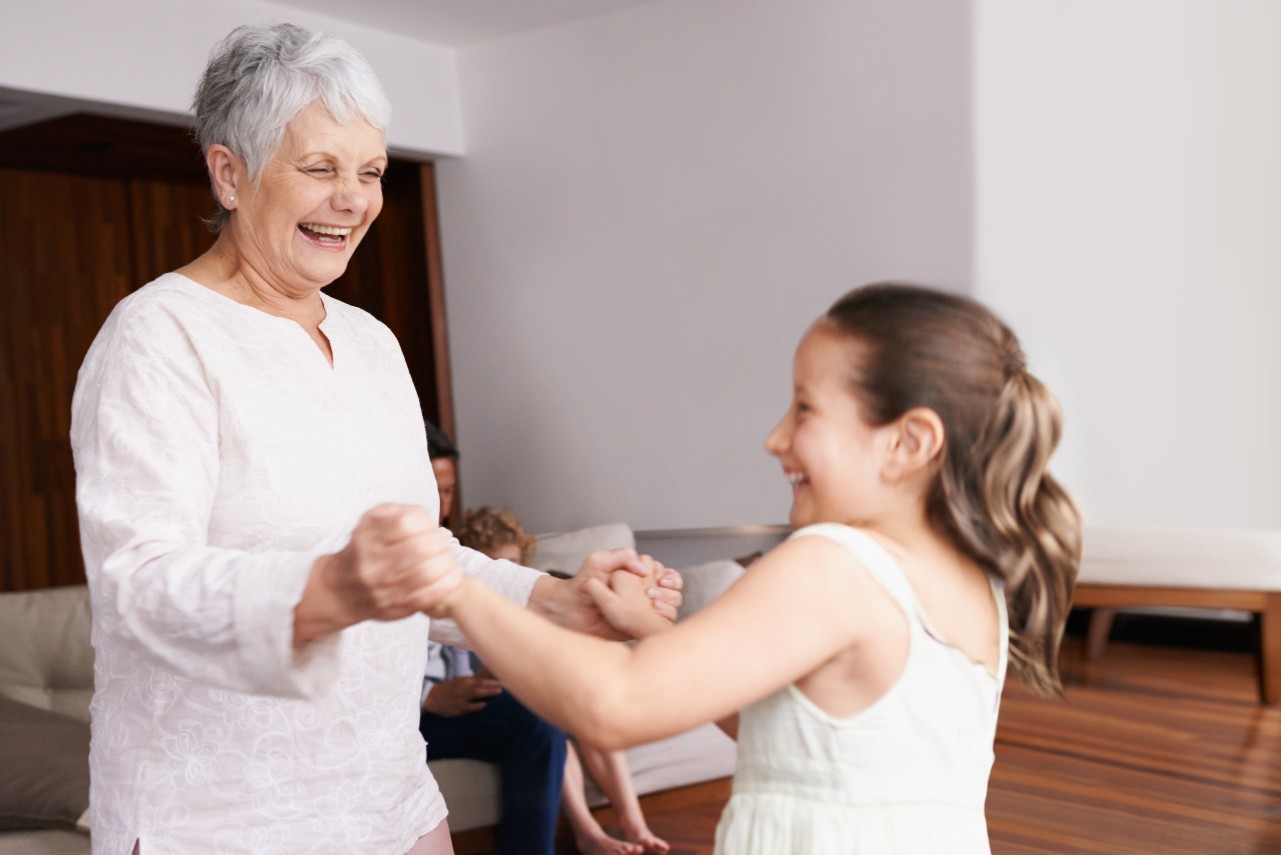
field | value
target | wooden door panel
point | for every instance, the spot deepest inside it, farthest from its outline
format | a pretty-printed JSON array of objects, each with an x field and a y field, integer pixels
[
  {"x": 166, "y": 223},
  {"x": 93, "y": 208},
  {"x": 66, "y": 261}
]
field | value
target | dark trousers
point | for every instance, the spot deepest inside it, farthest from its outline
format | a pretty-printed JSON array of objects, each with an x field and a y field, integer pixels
[{"x": 530, "y": 754}]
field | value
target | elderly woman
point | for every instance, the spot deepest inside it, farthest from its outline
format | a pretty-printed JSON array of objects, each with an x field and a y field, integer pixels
[{"x": 257, "y": 506}]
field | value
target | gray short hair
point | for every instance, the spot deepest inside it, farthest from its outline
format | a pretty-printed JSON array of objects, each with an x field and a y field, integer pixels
[{"x": 259, "y": 78}]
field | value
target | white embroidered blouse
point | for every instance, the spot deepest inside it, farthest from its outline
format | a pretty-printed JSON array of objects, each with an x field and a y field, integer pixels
[{"x": 218, "y": 453}]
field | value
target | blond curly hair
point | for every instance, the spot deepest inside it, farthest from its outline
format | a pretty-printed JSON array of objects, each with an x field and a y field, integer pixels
[{"x": 488, "y": 527}]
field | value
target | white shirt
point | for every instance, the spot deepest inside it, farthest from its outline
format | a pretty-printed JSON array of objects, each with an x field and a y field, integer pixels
[
  {"x": 444, "y": 662},
  {"x": 218, "y": 453}
]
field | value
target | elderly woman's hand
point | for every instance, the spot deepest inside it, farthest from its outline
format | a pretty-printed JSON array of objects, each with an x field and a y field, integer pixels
[
  {"x": 572, "y": 603},
  {"x": 398, "y": 562},
  {"x": 625, "y": 600},
  {"x": 663, "y": 584}
]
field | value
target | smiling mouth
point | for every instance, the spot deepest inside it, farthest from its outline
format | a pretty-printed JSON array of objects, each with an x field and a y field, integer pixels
[
  {"x": 796, "y": 479},
  {"x": 327, "y": 235}
]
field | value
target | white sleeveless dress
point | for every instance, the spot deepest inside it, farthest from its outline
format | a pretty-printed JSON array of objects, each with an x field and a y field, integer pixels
[{"x": 907, "y": 775}]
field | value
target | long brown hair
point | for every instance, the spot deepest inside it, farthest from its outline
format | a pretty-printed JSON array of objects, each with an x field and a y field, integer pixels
[{"x": 993, "y": 497}]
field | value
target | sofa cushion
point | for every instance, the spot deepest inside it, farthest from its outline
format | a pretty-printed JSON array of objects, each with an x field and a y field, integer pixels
[
  {"x": 44, "y": 841},
  {"x": 565, "y": 552},
  {"x": 46, "y": 659},
  {"x": 706, "y": 582},
  {"x": 470, "y": 788},
  {"x": 1181, "y": 557},
  {"x": 44, "y": 768},
  {"x": 704, "y": 753}
]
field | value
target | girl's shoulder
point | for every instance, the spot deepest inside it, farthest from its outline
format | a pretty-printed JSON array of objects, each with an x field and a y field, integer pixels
[
  {"x": 860, "y": 549},
  {"x": 860, "y": 543}
]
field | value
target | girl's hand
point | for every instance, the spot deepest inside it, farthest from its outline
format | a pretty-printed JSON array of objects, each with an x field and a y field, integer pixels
[
  {"x": 627, "y": 602},
  {"x": 568, "y": 602},
  {"x": 664, "y": 584},
  {"x": 666, "y": 591}
]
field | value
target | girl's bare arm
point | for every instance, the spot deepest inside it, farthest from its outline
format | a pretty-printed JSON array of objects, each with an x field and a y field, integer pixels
[{"x": 795, "y": 609}]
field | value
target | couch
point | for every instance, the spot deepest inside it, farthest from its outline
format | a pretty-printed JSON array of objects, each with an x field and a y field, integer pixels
[{"x": 46, "y": 681}]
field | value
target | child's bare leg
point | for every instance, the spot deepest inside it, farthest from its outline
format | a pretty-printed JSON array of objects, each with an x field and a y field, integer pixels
[
  {"x": 435, "y": 842},
  {"x": 589, "y": 837},
  {"x": 609, "y": 769}
]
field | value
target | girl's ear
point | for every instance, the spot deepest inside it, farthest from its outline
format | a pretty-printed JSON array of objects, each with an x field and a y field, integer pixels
[
  {"x": 222, "y": 165},
  {"x": 916, "y": 442}
]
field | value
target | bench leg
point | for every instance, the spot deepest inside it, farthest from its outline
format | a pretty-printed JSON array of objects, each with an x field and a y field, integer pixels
[
  {"x": 1096, "y": 634},
  {"x": 1270, "y": 650}
]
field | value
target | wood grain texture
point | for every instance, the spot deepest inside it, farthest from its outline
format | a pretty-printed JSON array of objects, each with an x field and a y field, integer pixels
[
  {"x": 1153, "y": 750},
  {"x": 1270, "y": 649},
  {"x": 66, "y": 258},
  {"x": 387, "y": 277},
  {"x": 436, "y": 293},
  {"x": 91, "y": 209},
  {"x": 1265, "y": 605}
]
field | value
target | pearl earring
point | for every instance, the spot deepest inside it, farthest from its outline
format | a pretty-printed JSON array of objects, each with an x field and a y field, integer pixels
[{"x": 230, "y": 199}]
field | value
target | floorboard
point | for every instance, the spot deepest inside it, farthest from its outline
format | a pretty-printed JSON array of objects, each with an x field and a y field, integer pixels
[
  {"x": 1159, "y": 747},
  {"x": 1156, "y": 748}
]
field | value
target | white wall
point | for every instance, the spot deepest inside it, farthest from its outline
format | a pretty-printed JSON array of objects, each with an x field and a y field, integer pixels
[
  {"x": 1129, "y": 227},
  {"x": 654, "y": 205},
  {"x": 142, "y": 57}
]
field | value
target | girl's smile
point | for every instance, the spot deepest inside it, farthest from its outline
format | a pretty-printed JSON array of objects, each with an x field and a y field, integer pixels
[{"x": 830, "y": 455}]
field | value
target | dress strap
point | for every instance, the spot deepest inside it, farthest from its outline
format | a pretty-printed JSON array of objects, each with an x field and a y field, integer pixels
[
  {"x": 1003, "y": 616},
  {"x": 879, "y": 564}
]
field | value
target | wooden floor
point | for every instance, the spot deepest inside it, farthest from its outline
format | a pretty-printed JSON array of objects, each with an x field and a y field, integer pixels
[
  {"x": 1156, "y": 749},
  {"x": 1161, "y": 747}
]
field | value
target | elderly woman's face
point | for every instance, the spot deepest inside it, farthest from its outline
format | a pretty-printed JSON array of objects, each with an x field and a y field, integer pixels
[{"x": 318, "y": 196}]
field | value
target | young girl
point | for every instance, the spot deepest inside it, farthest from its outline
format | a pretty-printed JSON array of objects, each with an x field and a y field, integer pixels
[
  {"x": 867, "y": 652},
  {"x": 498, "y": 533}
]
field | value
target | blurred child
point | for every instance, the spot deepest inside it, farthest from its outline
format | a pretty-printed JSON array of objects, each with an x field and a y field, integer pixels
[
  {"x": 868, "y": 651},
  {"x": 499, "y": 534}
]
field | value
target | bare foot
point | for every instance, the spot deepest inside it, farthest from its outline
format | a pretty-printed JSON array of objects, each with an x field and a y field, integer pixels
[
  {"x": 599, "y": 843},
  {"x": 651, "y": 844}
]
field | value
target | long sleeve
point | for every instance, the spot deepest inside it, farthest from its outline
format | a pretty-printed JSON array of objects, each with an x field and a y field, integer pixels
[
  {"x": 511, "y": 580},
  {"x": 145, "y": 436},
  {"x": 218, "y": 452}
]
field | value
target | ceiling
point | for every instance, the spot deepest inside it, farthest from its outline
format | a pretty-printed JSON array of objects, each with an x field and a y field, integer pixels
[
  {"x": 454, "y": 23},
  {"x": 461, "y": 22}
]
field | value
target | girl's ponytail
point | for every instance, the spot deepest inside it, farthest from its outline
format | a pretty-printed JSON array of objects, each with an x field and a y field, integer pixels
[
  {"x": 993, "y": 498},
  {"x": 1007, "y": 512}
]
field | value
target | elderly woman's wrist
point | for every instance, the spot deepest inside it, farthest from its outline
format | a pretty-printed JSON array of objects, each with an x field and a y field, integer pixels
[
  {"x": 319, "y": 611},
  {"x": 552, "y": 598},
  {"x": 447, "y": 607}
]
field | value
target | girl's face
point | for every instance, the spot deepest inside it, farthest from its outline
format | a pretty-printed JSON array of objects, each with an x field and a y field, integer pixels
[{"x": 830, "y": 455}]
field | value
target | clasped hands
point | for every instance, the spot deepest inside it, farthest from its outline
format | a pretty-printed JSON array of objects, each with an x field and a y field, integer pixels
[{"x": 399, "y": 561}]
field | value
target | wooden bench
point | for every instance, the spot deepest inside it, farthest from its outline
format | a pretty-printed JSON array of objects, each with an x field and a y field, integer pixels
[{"x": 1140, "y": 566}]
